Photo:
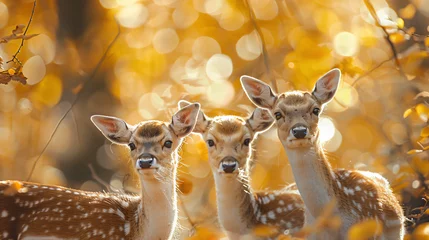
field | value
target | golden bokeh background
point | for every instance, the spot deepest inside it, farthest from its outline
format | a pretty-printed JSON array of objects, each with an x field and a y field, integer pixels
[{"x": 197, "y": 50}]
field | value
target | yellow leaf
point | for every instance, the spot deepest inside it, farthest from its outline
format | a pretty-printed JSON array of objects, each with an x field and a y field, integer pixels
[
  {"x": 423, "y": 111},
  {"x": 425, "y": 132},
  {"x": 400, "y": 22},
  {"x": 427, "y": 41},
  {"x": 408, "y": 12},
  {"x": 414, "y": 151},
  {"x": 365, "y": 230},
  {"x": 264, "y": 230},
  {"x": 11, "y": 71},
  {"x": 421, "y": 232},
  {"x": 397, "y": 37},
  {"x": 408, "y": 112},
  {"x": 14, "y": 188}
]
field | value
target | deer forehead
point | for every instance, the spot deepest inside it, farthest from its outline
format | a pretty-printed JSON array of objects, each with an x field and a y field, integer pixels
[
  {"x": 296, "y": 101},
  {"x": 228, "y": 128},
  {"x": 151, "y": 131}
]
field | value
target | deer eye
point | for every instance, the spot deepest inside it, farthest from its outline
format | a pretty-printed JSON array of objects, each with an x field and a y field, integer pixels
[
  {"x": 210, "y": 143},
  {"x": 316, "y": 111},
  {"x": 246, "y": 141},
  {"x": 168, "y": 144},
  {"x": 278, "y": 115},
  {"x": 132, "y": 146}
]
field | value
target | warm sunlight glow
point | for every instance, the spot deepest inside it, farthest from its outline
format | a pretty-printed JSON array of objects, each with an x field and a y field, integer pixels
[
  {"x": 346, "y": 44},
  {"x": 327, "y": 129}
]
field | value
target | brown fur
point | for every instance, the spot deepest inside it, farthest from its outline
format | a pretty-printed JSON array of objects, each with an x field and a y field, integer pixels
[
  {"x": 229, "y": 126},
  {"x": 65, "y": 213},
  {"x": 150, "y": 129}
]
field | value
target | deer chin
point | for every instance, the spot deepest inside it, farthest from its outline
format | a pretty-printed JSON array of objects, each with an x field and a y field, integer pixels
[{"x": 299, "y": 143}]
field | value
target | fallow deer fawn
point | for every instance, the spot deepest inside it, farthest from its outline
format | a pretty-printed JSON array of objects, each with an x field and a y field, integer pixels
[
  {"x": 51, "y": 212},
  {"x": 359, "y": 195},
  {"x": 240, "y": 209}
]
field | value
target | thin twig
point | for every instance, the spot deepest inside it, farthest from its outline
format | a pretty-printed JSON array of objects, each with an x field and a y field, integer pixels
[
  {"x": 76, "y": 99},
  {"x": 14, "y": 57},
  {"x": 370, "y": 71},
  {"x": 373, "y": 13},
  {"x": 101, "y": 181},
  {"x": 263, "y": 45}
]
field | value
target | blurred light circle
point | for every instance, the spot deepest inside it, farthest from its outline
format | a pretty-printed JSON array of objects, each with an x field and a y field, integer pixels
[
  {"x": 165, "y": 40},
  {"x": 164, "y": 2},
  {"x": 220, "y": 93},
  {"x": 231, "y": 19},
  {"x": 43, "y": 46},
  {"x": 4, "y": 15},
  {"x": 219, "y": 67},
  {"x": 205, "y": 47},
  {"x": 327, "y": 129},
  {"x": 49, "y": 91},
  {"x": 334, "y": 143},
  {"x": 346, "y": 44},
  {"x": 106, "y": 158},
  {"x": 184, "y": 16},
  {"x": 161, "y": 16},
  {"x": 109, "y": 4},
  {"x": 25, "y": 106},
  {"x": 150, "y": 105},
  {"x": 347, "y": 95},
  {"x": 213, "y": 7},
  {"x": 265, "y": 9},
  {"x": 126, "y": 2},
  {"x": 177, "y": 71},
  {"x": 91, "y": 186},
  {"x": 139, "y": 38},
  {"x": 53, "y": 176},
  {"x": 133, "y": 16},
  {"x": 34, "y": 69},
  {"x": 248, "y": 47}
]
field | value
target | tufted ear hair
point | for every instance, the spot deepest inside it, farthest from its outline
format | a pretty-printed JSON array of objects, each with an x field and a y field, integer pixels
[
  {"x": 258, "y": 92},
  {"x": 260, "y": 120},
  {"x": 202, "y": 120},
  {"x": 184, "y": 120},
  {"x": 114, "y": 129},
  {"x": 326, "y": 87}
]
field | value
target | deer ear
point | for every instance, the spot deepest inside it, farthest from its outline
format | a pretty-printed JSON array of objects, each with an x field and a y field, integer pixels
[
  {"x": 184, "y": 120},
  {"x": 260, "y": 120},
  {"x": 258, "y": 92},
  {"x": 202, "y": 120},
  {"x": 327, "y": 85},
  {"x": 114, "y": 129}
]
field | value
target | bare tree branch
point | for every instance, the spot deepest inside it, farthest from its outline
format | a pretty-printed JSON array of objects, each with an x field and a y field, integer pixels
[
  {"x": 76, "y": 99},
  {"x": 263, "y": 45},
  {"x": 14, "y": 57}
]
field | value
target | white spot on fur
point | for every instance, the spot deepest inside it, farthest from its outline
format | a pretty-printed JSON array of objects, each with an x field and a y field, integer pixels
[
  {"x": 357, "y": 188},
  {"x": 271, "y": 215},
  {"x": 281, "y": 202},
  {"x": 120, "y": 214},
  {"x": 4, "y": 214},
  {"x": 127, "y": 228}
]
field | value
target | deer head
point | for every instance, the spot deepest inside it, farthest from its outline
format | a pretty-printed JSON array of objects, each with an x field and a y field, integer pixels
[
  {"x": 297, "y": 112},
  {"x": 228, "y": 138},
  {"x": 151, "y": 143}
]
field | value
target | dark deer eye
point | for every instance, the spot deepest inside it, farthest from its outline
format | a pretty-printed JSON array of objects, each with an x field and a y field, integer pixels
[
  {"x": 132, "y": 146},
  {"x": 210, "y": 143},
  {"x": 168, "y": 144},
  {"x": 316, "y": 111},
  {"x": 278, "y": 115},
  {"x": 247, "y": 141}
]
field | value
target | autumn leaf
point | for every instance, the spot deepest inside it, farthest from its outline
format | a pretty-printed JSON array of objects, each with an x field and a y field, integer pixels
[
  {"x": 414, "y": 151},
  {"x": 425, "y": 132},
  {"x": 400, "y": 23},
  {"x": 265, "y": 230},
  {"x": 408, "y": 112},
  {"x": 365, "y": 230},
  {"x": 408, "y": 12},
  {"x": 14, "y": 188},
  {"x": 18, "y": 29}
]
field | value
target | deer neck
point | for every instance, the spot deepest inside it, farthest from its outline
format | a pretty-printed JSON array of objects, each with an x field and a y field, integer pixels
[
  {"x": 158, "y": 209},
  {"x": 235, "y": 200},
  {"x": 313, "y": 175}
]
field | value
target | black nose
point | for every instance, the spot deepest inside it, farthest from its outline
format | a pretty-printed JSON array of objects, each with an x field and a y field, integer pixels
[
  {"x": 145, "y": 160},
  {"x": 229, "y": 164},
  {"x": 299, "y": 131}
]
